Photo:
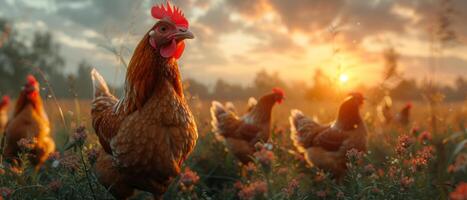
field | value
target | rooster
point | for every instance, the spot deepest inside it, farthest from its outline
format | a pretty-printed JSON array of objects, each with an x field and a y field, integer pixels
[
  {"x": 242, "y": 133},
  {"x": 4, "y": 104},
  {"x": 29, "y": 123},
  {"x": 325, "y": 146},
  {"x": 403, "y": 117},
  {"x": 148, "y": 134}
]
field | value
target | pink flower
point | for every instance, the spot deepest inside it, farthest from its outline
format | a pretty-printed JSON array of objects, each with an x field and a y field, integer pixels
[
  {"x": 460, "y": 193},
  {"x": 406, "y": 181},
  {"x": 369, "y": 169},
  {"x": 404, "y": 142},
  {"x": 426, "y": 152},
  {"x": 27, "y": 144},
  {"x": 92, "y": 154},
  {"x": 249, "y": 192},
  {"x": 80, "y": 135},
  {"x": 459, "y": 164},
  {"x": 188, "y": 179},
  {"x": 425, "y": 136},
  {"x": 265, "y": 158},
  {"x": 291, "y": 188}
]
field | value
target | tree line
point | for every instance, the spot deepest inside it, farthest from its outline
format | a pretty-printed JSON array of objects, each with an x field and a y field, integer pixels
[{"x": 42, "y": 58}]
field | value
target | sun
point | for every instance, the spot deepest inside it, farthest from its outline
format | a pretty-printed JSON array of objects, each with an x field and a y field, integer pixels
[{"x": 343, "y": 78}]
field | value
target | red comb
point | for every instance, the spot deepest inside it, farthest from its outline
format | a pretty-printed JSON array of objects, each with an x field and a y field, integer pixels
[
  {"x": 173, "y": 13},
  {"x": 5, "y": 100},
  {"x": 408, "y": 105},
  {"x": 278, "y": 91},
  {"x": 31, "y": 80}
]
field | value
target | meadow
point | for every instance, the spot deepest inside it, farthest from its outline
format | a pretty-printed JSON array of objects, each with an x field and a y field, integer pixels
[{"x": 412, "y": 162}]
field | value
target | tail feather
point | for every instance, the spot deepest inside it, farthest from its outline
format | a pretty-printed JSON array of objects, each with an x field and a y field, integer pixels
[
  {"x": 223, "y": 121},
  {"x": 251, "y": 103},
  {"x": 302, "y": 129},
  {"x": 230, "y": 107},
  {"x": 99, "y": 85}
]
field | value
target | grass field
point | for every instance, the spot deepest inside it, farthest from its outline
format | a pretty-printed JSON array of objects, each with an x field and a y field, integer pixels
[{"x": 402, "y": 162}]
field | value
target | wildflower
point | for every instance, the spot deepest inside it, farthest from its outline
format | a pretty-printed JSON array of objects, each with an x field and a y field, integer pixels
[
  {"x": 380, "y": 172},
  {"x": 426, "y": 152},
  {"x": 27, "y": 144},
  {"x": 415, "y": 130},
  {"x": 188, "y": 179},
  {"x": 291, "y": 188},
  {"x": 354, "y": 154},
  {"x": 460, "y": 193},
  {"x": 54, "y": 185},
  {"x": 392, "y": 171},
  {"x": 265, "y": 158},
  {"x": 255, "y": 189},
  {"x": 80, "y": 135},
  {"x": 5, "y": 192},
  {"x": 404, "y": 142},
  {"x": 406, "y": 181},
  {"x": 250, "y": 168},
  {"x": 417, "y": 164},
  {"x": 459, "y": 164},
  {"x": 92, "y": 154},
  {"x": 425, "y": 136},
  {"x": 238, "y": 185},
  {"x": 369, "y": 169}
]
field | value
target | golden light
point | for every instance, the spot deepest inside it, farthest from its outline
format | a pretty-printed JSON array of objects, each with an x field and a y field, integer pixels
[{"x": 343, "y": 78}]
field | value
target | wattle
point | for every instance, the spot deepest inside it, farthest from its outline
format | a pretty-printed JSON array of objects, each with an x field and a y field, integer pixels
[{"x": 173, "y": 50}]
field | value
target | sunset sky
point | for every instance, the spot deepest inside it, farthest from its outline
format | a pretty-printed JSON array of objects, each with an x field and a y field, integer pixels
[{"x": 237, "y": 38}]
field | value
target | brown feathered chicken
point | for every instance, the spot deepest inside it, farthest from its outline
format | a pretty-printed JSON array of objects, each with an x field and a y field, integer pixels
[
  {"x": 325, "y": 146},
  {"x": 147, "y": 134},
  {"x": 4, "y": 105},
  {"x": 403, "y": 117},
  {"x": 29, "y": 128},
  {"x": 385, "y": 110},
  {"x": 242, "y": 133}
]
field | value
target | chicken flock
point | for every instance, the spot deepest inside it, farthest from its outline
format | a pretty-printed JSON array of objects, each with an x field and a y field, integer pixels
[{"x": 147, "y": 134}]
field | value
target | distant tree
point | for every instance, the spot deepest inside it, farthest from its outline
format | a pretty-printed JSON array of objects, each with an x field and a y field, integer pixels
[
  {"x": 12, "y": 54},
  {"x": 17, "y": 60},
  {"x": 264, "y": 82},
  {"x": 81, "y": 83},
  {"x": 406, "y": 90},
  {"x": 196, "y": 88}
]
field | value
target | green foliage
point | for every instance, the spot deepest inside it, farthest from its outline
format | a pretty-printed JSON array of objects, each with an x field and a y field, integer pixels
[{"x": 413, "y": 169}]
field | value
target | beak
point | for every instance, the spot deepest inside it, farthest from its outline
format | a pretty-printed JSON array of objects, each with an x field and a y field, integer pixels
[{"x": 182, "y": 34}]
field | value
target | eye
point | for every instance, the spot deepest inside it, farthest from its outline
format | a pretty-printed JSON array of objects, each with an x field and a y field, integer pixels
[{"x": 163, "y": 29}]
